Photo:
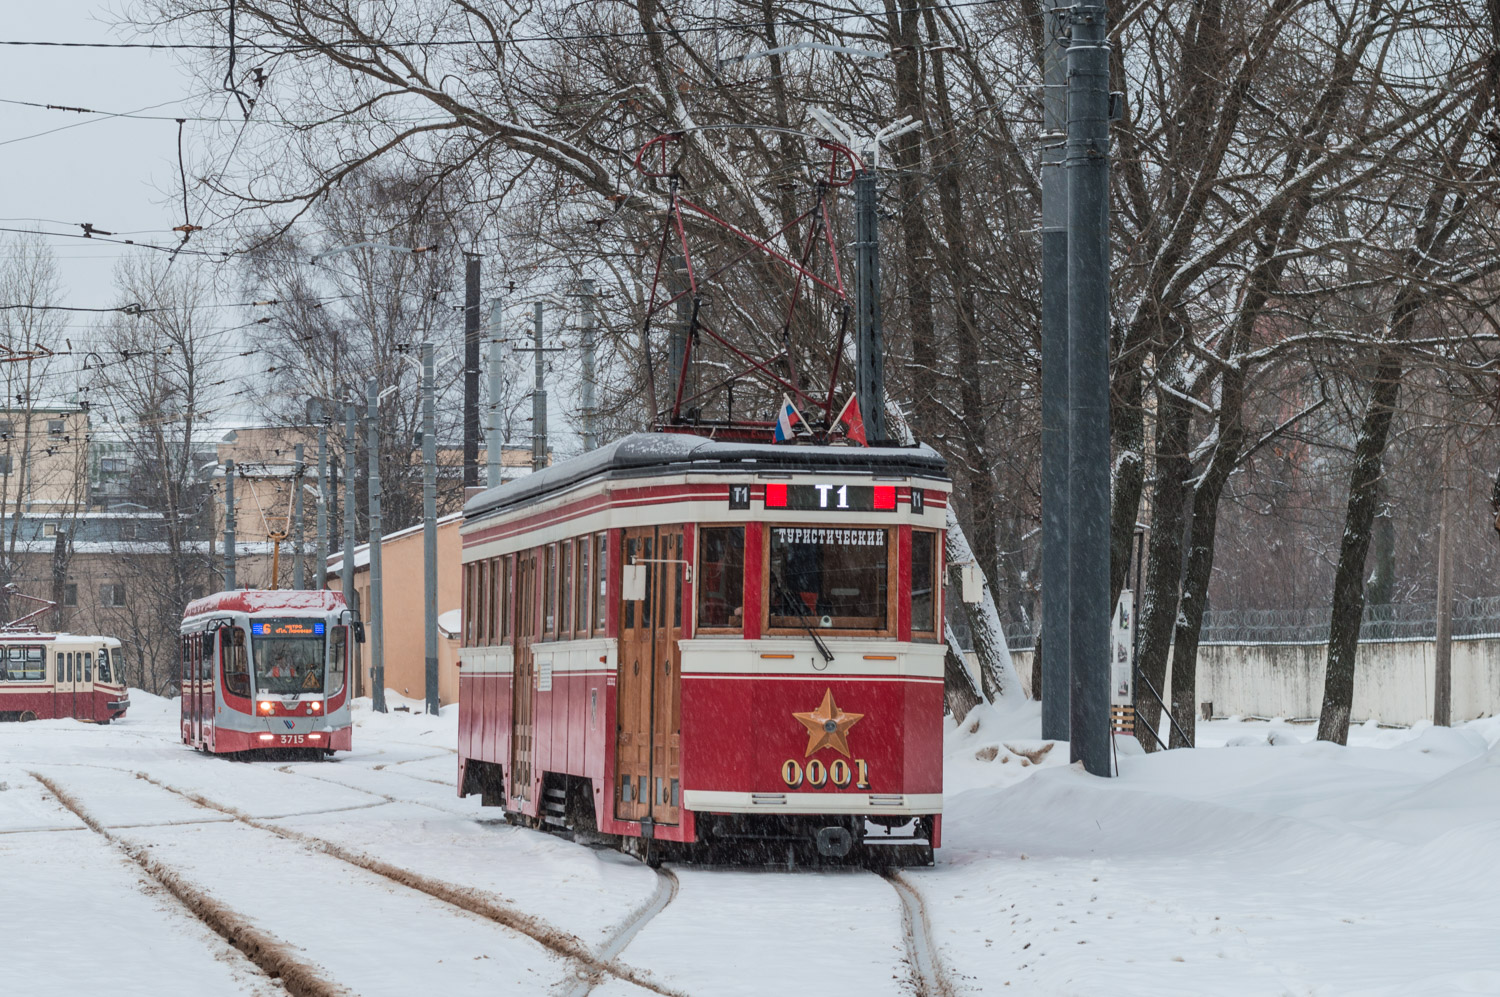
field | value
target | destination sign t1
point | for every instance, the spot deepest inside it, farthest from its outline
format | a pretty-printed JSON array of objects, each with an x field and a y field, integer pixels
[{"x": 831, "y": 498}]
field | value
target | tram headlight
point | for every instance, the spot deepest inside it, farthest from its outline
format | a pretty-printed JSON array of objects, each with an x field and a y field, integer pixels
[
  {"x": 266, "y": 706},
  {"x": 315, "y": 707}
]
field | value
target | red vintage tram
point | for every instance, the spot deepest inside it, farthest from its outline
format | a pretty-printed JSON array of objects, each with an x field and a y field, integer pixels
[
  {"x": 46, "y": 676},
  {"x": 267, "y": 669},
  {"x": 687, "y": 640}
]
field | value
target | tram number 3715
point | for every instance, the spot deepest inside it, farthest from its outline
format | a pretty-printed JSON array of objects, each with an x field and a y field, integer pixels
[
  {"x": 293, "y": 738},
  {"x": 817, "y": 775}
]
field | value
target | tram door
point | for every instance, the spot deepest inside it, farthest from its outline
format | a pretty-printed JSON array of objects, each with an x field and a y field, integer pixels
[
  {"x": 648, "y": 738},
  {"x": 523, "y": 679}
]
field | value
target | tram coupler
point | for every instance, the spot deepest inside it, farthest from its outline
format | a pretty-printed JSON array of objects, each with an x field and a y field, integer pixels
[{"x": 834, "y": 842}]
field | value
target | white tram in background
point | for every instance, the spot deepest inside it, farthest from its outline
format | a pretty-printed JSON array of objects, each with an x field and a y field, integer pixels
[
  {"x": 267, "y": 669},
  {"x": 46, "y": 676}
]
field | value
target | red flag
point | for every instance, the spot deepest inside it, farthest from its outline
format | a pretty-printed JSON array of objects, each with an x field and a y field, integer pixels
[{"x": 852, "y": 421}]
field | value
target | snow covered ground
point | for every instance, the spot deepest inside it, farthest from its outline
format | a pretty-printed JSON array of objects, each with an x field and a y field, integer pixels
[{"x": 1264, "y": 863}]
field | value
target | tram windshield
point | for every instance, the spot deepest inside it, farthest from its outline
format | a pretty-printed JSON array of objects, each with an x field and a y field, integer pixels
[
  {"x": 289, "y": 655},
  {"x": 828, "y": 577}
]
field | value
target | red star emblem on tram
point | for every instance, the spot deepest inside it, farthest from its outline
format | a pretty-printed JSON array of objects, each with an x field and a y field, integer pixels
[{"x": 828, "y": 727}]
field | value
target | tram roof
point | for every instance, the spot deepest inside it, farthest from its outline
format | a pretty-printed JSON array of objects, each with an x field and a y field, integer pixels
[
  {"x": 267, "y": 601},
  {"x": 643, "y": 455}
]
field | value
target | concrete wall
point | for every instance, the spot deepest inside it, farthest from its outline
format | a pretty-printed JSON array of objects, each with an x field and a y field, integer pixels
[{"x": 1392, "y": 680}]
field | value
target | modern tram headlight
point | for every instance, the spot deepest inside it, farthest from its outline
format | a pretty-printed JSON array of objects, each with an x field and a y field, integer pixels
[
  {"x": 266, "y": 706},
  {"x": 315, "y": 706}
]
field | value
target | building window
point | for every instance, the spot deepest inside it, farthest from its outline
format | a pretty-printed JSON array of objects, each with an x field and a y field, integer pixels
[
  {"x": 70, "y": 594},
  {"x": 127, "y": 529},
  {"x": 5, "y": 428},
  {"x": 112, "y": 464},
  {"x": 5, "y": 464},
  {"x": 49, "y": 530},
  {"x": 112, "y": 594},
  {"x": 55, "y": 427},
  {"x": 721, "y": 577}
]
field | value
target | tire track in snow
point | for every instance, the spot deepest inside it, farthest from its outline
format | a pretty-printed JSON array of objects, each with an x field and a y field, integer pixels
[
  {"x": 594, "y": 965},
  {"x": 929, "y": 976},
  {"x": 269, "y": 953},
  {"x": 664, "y": 894}
]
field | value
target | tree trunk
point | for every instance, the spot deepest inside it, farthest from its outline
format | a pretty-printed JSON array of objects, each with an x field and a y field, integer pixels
[
  {"x": 1164, "y": 560},
  {"x": 997, "y": 673}
]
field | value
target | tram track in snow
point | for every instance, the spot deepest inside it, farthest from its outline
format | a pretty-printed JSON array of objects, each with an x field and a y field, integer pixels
[
  {"x": 614, "y": 946},
  {"x": 593, "y": 965},
  {"x": 266, "y": 952},
  {"x": 929, "y": 976}
]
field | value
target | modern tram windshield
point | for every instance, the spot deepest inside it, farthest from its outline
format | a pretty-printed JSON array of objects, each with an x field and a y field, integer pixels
[{"x": 289, "y": 655}]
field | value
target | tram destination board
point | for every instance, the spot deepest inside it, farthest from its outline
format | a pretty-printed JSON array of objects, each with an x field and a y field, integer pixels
[{"x": 825, "y": 497}]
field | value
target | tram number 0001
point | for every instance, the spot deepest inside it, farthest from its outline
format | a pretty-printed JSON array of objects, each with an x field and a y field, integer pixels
[{"x": 817, "y": 775}]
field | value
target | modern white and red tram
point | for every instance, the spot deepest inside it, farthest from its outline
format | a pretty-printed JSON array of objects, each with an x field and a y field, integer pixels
[
  {"x": 46, "y": 676},
  {"x": 693, "y": 641},
  {"x": 267, "y": 670}
]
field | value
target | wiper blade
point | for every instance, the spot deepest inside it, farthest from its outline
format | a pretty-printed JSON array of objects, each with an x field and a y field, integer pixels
[{"x": 801, "y": 610}]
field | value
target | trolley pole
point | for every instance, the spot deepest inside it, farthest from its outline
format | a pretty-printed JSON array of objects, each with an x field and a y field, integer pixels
[
  {"x": 346, "y": 573},
  {"x": 1088, "y": 386},
  {"x": 229, "y": 526},
  {"x": 538, "y": 401},
  {"x": 471, "y": 371},
  {"x": 590, "y": 415},
  {"x": 299, "y": 579},
  {"x": 429, "y": 525},
  {"x": 377, "y": 619},
  {"x": 869, "y": 350},
  {"x": 320, "y": 573},
  {"x": 492, "y": 442},
  {"x": 1056, "y": 663}
]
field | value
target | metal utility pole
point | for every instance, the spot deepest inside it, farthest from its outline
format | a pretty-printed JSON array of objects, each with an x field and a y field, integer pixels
[
  {"x": 590, "y": 415},
  {"x": 1442, "y": 670},
  {"x": 346, "y": 574},
  {"x": 538, "y": 401},
  {"x": 320, "y": 573},
  {"x": 869, "y": 349},
  {"x": 299, "y": 580},
  {"x": 1055, "y": 650},
  {"x": 471, "y": 370},
  {"x": 429, "y": 525},
  {"x": 229, "y": 526},
  {"x": 1088, "y": 387},
  {"x": 376, "y": 620},
  {"x": 492, "y": 443}
]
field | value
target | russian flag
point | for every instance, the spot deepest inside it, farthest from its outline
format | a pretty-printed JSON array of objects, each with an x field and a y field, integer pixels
[{"x": 787, "y": 420}]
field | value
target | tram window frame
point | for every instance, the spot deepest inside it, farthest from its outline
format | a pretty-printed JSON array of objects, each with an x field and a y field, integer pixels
[
  {"x": 927, "y": 633},
  {"x": 234, "y": 639},
  {"x": 891, "y": 576},
  {"x": 505, "y": 593},
  {"x": 565, "y": 589},
  {"x": 88, "y": 666},
  {"x": 21, "y": 665},
  {"x": 470, "y": 570},
  {"x": 105, "y": 666},
  {"x": 599, "y": 589},
  {"x": 582, "y": 575},
  {"x": 549, "y": 592},
  {"x": 338, "y": 659},
  {"x": 734, "y": 580}
]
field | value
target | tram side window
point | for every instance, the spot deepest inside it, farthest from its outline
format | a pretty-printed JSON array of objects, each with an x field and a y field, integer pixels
[
  {"x": 206, "y": 656},
  {"x": 829, "y": 577},
  {"x": 471, "y": 587},
  {"x": 565, "y": 589},
  {"x": 597, "y": 600},
  {"x": 549, "y": 591},
  {"x": 338, "y": 651},
  {"x": 88, "y": 666},
  {"x": 23, "y": 664},
  {"x": 236, "y": 661},
  {"x": 104, "y": 670},
  {"x": 721, "y": 578},
  {"x": 581, "y": 587},
  {"x": 923, "y": 583}
]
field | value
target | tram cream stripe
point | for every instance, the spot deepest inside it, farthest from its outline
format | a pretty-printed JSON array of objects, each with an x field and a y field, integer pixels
[{"x": 812, "y": 803}]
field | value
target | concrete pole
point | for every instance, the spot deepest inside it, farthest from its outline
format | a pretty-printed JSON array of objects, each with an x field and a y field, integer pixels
[
  {"x": 429, "y": 525},
  {"x": 229, "y": 526},
  {"x": 299, "y": 580},
  {"x": 590, "y": 413},
  {"x": 346, "y": 575},
  {"x": 869, "y": 350},
  {"x": 492, "y": 441},
  {"x": 538, "y": 402},
  {"x": 376, "y": 620},
  {"x": 1056, "y": 664},
  {"x": 471, "y": 371},
  {"x": 1088, "y": 387},
  {"x": 320, "y": 572},
  {"x": 1442, "y": 693}
]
